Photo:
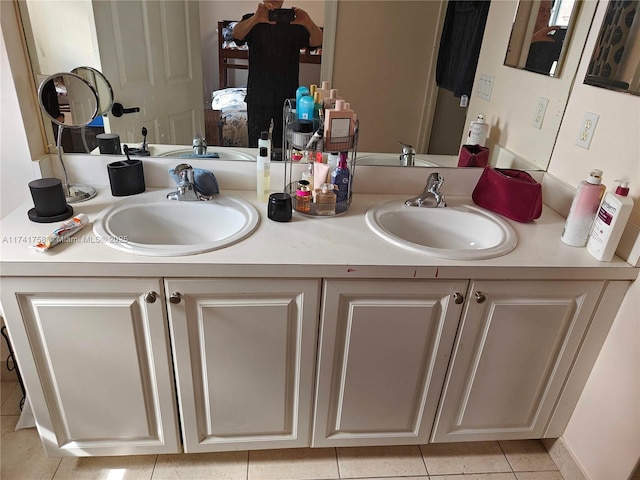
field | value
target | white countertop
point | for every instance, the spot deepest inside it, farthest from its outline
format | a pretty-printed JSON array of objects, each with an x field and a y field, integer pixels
[{"x": 338, "y": 247}]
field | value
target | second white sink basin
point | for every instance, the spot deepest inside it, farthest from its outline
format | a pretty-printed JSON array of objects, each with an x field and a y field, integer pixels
[
  {"x": 458, "y": 232},
  {"x": 150, "y": 224}
]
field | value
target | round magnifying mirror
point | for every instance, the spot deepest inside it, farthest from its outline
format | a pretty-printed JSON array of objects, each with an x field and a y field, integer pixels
[
  {"x": 100, "y": 84},
  {"x": 68, "y": 100}
]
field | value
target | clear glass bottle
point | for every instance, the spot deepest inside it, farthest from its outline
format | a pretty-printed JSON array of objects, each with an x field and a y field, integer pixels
[
  {"x": 303, "y": 197},
  {"x": 326, "y": 200}
]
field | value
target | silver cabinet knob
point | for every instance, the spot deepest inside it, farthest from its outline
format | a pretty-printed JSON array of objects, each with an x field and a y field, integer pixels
[
  {"x": 458, "y": 298},
  {"x": 150, "y": 297},
  {"x": 480, "y": 297},
  {"x": 175, "y": 297}
]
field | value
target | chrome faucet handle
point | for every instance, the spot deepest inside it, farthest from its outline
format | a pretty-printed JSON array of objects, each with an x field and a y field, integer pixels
[
  {"x": 408, "y": 155},
  {"x": 184, "y": 171},
  {"x": 431, "y": 196},
  {"x": 186, "y": 190}
]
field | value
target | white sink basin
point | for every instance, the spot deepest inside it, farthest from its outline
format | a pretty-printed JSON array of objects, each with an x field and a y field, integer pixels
[
  {"x": 457, "y": 232},
  {"x": 150, "y": 224},
  {"x": 223, "y": 154}
]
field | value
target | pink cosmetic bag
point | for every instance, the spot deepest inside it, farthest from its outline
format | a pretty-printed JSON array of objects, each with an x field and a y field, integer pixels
[{"x": 509, "y": 192}]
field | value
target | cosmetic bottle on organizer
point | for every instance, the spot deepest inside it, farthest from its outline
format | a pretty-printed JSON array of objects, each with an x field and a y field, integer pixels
[
  {"x": 326, "y": 200},
  {"x": 339, "y": 125},
  {"x": 263, "y": 173},
  {"x": 332, "y": 160},
  {"x": 340, "y": 177},
  {"x": 312, "y": 90},
  {"x": 583, "y": 210},
  {"x": 308, "y": 175},
  {"x": 264, "y": 141},
  {"x": 301, "y": 92},
  {"x": 324, "y": 90},
  {"x": 478, "y": 131},
  {"x": 303, "y": 197},
  {"x": 317, "y": 109},
  {"x": 330, "y": 101},
  {"x": 610, "y": 222},
  {"x": 305, "y": 108},
  {"x": 320, "y": 172}
]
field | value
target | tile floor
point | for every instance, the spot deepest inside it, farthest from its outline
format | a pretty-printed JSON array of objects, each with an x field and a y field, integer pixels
[{"x": 22, "y": 457}]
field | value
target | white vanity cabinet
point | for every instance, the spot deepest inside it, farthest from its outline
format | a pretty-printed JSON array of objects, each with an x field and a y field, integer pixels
[
  {"x": 383, "y": 355},
  {"x": 515, "y": 347},
  {"x": 244, "y": 353},
  {"x": 96, "y": 362}
]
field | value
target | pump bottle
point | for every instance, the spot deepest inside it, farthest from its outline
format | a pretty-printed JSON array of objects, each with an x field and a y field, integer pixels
[
  {"x": 478, "y": 131},
  {"x": 609, "y": 225},
  {"x": 583, "y": 210}
]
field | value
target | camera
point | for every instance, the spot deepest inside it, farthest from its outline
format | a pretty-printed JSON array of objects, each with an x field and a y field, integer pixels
[{"x": 282, "y": 15}]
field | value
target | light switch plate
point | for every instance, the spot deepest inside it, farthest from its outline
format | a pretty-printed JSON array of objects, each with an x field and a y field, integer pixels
[
  {"x": 541, "y": 109},
  {"x": 587, "y": 127},
  {"x": 485, "y": 86}
]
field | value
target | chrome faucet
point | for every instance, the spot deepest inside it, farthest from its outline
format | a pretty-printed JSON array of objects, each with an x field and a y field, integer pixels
[
  {"x": 186, "y": 191},
  {"x": 408, "y": 155},
  {"x": 199, "y": 145},
  {"x": 431, "y": 197}
]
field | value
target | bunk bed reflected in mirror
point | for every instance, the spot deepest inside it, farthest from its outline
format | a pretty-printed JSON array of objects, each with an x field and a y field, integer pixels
[
  {"x": 615, "y": 61},
  {"x": 540, "y": 34}
]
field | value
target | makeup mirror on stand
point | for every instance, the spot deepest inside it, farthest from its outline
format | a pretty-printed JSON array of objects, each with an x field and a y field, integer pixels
[{"x": 69, "y": 101}]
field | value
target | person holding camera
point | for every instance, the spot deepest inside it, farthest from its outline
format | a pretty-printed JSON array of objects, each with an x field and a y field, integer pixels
[{"x": 274, "y": 36}]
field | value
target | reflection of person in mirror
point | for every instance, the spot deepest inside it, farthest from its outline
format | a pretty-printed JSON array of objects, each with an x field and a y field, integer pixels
[
  {"x": 49, "y": 98},
  {"x": 274, "y": 61},
  {"x": 546, "y": 41}
]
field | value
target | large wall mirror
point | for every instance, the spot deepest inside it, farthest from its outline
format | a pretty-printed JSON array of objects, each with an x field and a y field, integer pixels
[
  {"x": 615, "y": 62},
  {"x": 85, "y": 14},
  {"x": 540, "y": 34}
]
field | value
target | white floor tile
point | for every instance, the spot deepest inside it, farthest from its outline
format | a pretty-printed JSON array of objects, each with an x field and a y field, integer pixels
[
  {"x": 553, "y": 475},
  {"x": 22, "y": 456},
  {"x": 293, "y": 464},
  {"x": 5, "y": 390},
  {"x": 134, "y": 467},
  {"x": 11, "y": 405},
  {"x": 202, "y": 466},
  {"x": 476, "y": 476},
  {"x": 527, "y": 456},
  {"x": 456, "y": 458},
  {"x": 372, "y": 462}
]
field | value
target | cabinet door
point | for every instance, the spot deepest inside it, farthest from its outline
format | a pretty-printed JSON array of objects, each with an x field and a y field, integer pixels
[
  {"x": 95, "y": 357},
  {"x": 244, "y": 351},
  {"x": 384, "y": 350},
  {"x": 515, "y": 347}
]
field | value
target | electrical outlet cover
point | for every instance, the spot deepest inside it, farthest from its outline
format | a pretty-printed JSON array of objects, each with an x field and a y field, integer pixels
[
  {"x": 541, "y": 109},
  {"x": 587, "y": 127}
]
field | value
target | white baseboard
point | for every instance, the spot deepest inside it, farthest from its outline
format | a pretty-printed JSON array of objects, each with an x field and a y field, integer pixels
[{"x": 564, "y": 459}]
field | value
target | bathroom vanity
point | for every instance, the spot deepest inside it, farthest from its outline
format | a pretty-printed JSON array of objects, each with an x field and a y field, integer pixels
[{"x": 314, "y": 332}]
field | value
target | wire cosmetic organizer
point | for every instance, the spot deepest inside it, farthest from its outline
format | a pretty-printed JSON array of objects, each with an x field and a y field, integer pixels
[{"x": 301, "y": 147}]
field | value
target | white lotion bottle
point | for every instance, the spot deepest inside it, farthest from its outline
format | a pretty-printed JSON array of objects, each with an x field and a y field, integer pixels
[
  {"x": 478, "y": 131},
  {"x": 583, "y": 210},
  {"x": 609, "y": 225},
  {"x": 263, "y": 165}
]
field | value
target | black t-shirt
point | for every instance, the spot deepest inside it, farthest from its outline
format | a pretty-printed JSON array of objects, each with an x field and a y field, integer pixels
[
  {"x": 543, "y": 54},
  {"x": 274, "y": 61}
]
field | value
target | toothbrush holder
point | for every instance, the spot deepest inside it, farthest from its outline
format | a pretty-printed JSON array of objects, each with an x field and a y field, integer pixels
[{"x": 126, "y": 177}]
